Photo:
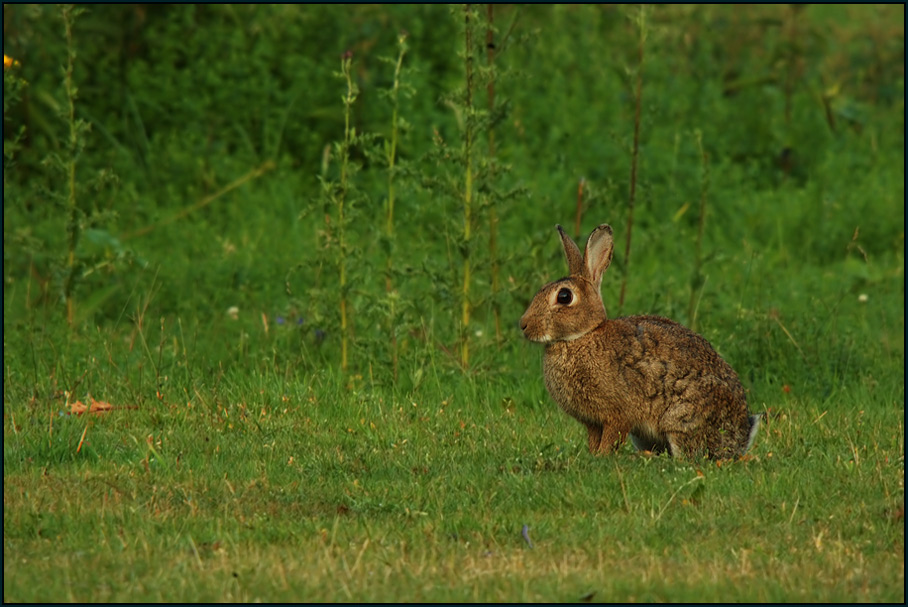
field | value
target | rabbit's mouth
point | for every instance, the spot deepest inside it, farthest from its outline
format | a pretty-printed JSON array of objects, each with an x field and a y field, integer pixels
[
  {"x": 546, "y": 338},
  {"x": 534, "y": 332},
  {"x": 541, "y": 339}
]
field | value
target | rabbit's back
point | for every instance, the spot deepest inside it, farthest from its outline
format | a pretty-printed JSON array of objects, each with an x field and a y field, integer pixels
[{"x": 662, "y": 382}]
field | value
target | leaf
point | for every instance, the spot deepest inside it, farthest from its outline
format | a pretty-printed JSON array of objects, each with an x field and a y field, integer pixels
[{"x": 96, "y": 406}]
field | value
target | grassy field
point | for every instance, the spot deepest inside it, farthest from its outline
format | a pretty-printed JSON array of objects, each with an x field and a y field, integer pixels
[{"x": 282, "y": 251}]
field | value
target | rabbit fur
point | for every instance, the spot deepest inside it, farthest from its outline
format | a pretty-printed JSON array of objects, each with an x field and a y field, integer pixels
[{"x": 646, "y": 377}]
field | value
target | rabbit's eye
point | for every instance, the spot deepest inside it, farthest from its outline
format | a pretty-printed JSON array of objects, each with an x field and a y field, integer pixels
[{"x": 565, "y": 297}]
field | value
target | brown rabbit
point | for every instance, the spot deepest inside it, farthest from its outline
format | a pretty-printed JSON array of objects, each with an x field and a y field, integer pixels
[{"x": 643, "y": 376}]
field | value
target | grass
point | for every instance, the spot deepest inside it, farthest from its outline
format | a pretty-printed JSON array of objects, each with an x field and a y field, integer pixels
[
  {"x": 240, "y": 462},
  {"x": 331, "y": 496}
]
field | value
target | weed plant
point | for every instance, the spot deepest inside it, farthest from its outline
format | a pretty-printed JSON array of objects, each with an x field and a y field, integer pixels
[
  {"x": 294, "y": 309},
  {"x": 397, "y": 87}
]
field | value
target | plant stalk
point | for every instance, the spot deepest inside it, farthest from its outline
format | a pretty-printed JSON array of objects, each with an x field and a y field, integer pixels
[
  {"x": 638, "y": 95},
  {"x": 73, "y": 226},
  {"x": 468, "y": 187},
  {"x": 696, "y": 286},
  {"x": 493, "y": 213},
  {"x": 580, "y": 186},
  {"x": 349, "y": 98},
  {"x": 389, "y": 222}
]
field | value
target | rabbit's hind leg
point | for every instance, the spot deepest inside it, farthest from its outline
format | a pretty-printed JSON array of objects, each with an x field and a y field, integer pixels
[{"x": 689, "y": 445}]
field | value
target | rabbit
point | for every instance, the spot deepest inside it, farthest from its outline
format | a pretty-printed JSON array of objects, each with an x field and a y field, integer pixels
[{"x": 646, "y": 377}]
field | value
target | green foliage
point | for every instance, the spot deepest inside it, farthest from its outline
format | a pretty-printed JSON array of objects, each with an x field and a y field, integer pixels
[
  {"x": 205, "y": 192},
  {"x": 90, "y": 257}
]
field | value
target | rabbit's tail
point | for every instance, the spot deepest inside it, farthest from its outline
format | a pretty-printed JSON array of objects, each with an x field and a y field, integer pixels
[{"x": 754, "y": 427}]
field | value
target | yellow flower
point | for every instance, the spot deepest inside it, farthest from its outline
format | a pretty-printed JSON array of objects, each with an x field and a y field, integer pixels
[{"x": 9, "y": 62}]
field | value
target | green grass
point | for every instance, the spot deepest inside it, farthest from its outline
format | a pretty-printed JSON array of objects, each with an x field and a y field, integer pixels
[
  {"x": 242, "y": 464},
  {"x": 326, "y": 495}
]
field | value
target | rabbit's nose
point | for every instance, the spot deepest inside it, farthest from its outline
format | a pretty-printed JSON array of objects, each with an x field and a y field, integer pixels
[{"x": 523, "y": 323}]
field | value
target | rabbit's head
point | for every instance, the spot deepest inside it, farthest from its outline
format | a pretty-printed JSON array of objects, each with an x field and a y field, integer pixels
[{"x": 572, "y": 307}]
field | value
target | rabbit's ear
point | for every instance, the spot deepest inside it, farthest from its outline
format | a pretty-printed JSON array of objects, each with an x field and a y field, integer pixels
[
  {"x": 572, "y": 253},
  {"x": 598, "y": 253}
]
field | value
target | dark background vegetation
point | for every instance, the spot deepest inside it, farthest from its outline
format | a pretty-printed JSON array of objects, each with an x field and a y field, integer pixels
[{"x": 800, "y": 111}]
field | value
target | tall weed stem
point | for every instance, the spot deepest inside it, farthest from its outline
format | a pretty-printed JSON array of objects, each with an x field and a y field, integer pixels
[
  {"x": 579, "y": 216},
  {"x": 469, "y": 123},
  {"x": 493, "y": 214},
  {"x": 389, "y": 217},
  {"x": 697, "y": 281},
  {"x": 74, "y": 223},
  {"x": 349, "y": 137},
  {"x": 638, "y": 97}
]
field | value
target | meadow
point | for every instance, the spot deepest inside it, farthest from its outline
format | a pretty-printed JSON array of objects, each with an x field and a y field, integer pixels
[{"x": 263, "y": 267}]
